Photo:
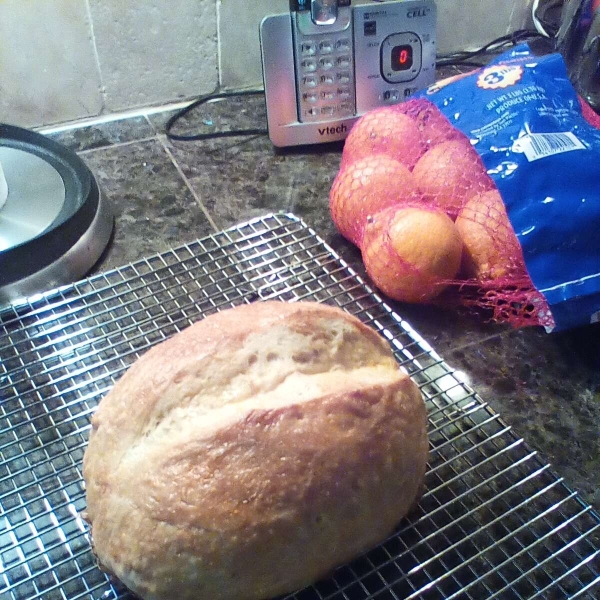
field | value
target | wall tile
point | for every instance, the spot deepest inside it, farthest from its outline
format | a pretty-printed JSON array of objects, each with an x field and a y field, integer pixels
[
  {"x": 48, "y": 71},
  {"x": 461, "y": 24},
  {"x": 152, "y": 51},
  {"x": 521, "y": 17},
  {"x": 239, "y": 43},
  {"x": 473, "y": 23}
]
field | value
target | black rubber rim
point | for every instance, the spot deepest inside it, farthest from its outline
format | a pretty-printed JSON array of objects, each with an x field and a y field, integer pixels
[{"x": 74, "y": 219}]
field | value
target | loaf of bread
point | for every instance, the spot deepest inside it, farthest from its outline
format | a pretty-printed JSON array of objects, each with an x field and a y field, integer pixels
[{"x": 252, "y": 453}]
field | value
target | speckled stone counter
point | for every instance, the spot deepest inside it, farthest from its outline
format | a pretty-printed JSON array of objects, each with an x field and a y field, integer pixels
[{"x": 547, "y": 386}]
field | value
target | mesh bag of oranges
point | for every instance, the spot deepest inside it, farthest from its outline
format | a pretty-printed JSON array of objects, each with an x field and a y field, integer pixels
[{"x": 484, "y": 192}]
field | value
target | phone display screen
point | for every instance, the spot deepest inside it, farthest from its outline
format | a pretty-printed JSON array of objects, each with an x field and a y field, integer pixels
[{"x": 402, "y": 57}]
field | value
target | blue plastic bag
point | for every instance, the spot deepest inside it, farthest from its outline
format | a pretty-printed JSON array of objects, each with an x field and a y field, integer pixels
[{"x": 524, "y": 118}]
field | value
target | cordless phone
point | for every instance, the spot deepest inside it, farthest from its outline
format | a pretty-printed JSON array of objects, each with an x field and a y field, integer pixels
[{"x": 326, "y": 62}]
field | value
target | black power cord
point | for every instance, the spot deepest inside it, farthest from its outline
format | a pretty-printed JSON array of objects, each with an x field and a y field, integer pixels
[
  {"x": 465, "y": 58},
  {"x": 215, "y": 134}
]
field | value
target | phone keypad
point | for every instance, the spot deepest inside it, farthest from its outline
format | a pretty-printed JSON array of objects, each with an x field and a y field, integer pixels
[
  {"x": 309, "y": 65},
  {"x": 325, "y": 48},
  {"x": 326, "y": 77},
  {"x": 308, "y": 49},
  {"x": 344, "y": 93},
  {"x": 326, "y": 63}
]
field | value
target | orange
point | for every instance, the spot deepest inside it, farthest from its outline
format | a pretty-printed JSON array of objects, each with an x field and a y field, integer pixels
[
  {"x": 365, "y": 187},
  {"x": 450, "y": 173},
  {"x": 491, "y": 246},
  {"x": 435, "y": 127},
  {"x": 411, "y": 253},
  {"x": 385, "y": 131}
]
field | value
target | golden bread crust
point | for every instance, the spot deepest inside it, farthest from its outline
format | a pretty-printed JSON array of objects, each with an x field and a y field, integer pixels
[{"x": 252, "y": 453}]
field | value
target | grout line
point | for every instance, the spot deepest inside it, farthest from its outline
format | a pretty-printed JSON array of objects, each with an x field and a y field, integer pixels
[
  {"x": 520, "y": 16},
  {"x": 117, "y": 145},
  {"x": 112, "y": 117},
  {"x": 219, "y": 53},
  {"x": 151, "y": 124},
  {"x": 161, "y": 139},
  {"x": 480, "y": 341},
  {"x": 96, "y": 55}
]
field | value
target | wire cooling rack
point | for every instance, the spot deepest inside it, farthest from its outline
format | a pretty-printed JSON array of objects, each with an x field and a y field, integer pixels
[{"x": 494, "y": 521}]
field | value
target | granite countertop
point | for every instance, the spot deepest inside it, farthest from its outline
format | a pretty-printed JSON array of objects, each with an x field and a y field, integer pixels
[{"x": 163, "y": 193}]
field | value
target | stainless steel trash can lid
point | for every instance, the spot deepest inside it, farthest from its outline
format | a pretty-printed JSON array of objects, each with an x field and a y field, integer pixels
[{"x": 54, "y": 224}]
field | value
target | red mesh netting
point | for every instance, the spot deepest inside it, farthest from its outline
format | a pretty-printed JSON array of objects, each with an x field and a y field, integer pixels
[
  {"x": 589, "y": 114},
  {"x": 406, "y": 264},
  {"x": 415, "y": 197}
]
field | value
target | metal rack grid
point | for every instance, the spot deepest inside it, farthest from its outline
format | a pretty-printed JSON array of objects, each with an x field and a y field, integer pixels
[{"x": 494, "y": 521}]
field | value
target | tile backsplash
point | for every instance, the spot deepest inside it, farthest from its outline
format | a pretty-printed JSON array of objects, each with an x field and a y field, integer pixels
[
  {"x": 64, "y": 60},
  {"x": 461, "y": 24},
  {"x": 155, "y": 51},
  {"x": 48, "y": 67}
]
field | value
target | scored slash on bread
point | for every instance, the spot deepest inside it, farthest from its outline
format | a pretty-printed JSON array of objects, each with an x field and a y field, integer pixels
[{"x": 252, "y": 453}]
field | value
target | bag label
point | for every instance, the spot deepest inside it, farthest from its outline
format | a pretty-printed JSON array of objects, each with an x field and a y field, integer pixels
[
  {"x": 524, "y": 118},
  {"x": 541, "y": 145}
]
